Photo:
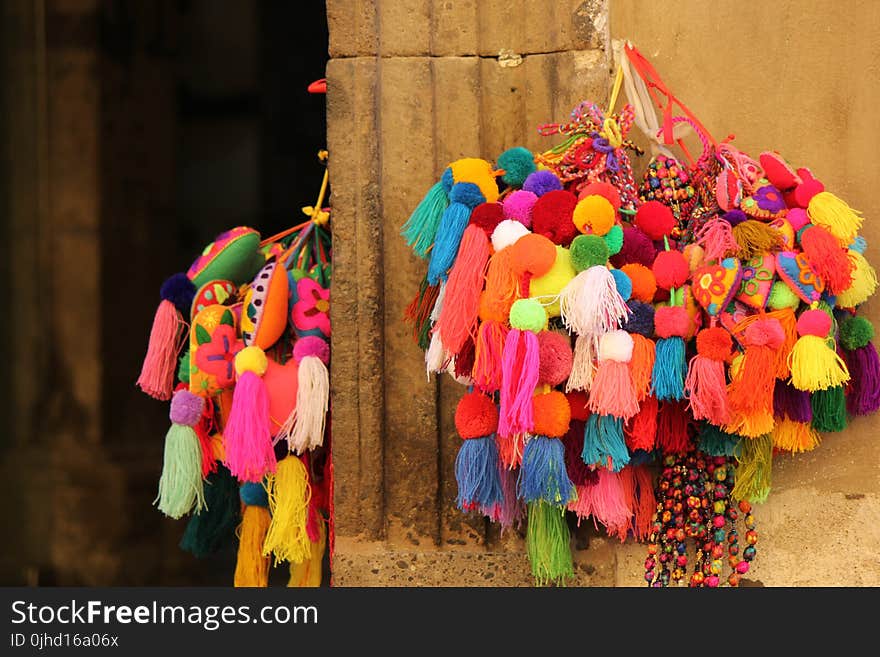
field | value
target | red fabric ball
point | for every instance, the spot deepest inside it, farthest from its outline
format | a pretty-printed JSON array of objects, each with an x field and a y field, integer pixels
[
  {"x": 714, "y": 343},
  {"x": 551, "y": 217},
  {"x": 476, "y": 416},
  {"x": 671, "y": 321},
  {"x": 670, "y": 269},
  {"x": 814, "y": 322},
  {"x": 552, "y": 414},
  {"x": 577, "y": 402},
  {"x": 532, "y": 254},
  {"x": 655, "y": 220},
  {"x": 555, "y": 358},
  {"x": 487, "y": 216},
  {"x": 604, "y": 189},
  {"x": 637, "y": 248}
]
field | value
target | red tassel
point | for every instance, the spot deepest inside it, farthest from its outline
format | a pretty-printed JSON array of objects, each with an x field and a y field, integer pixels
[
  {"x": 647, "y": 503},
  {"x": 461, "y": 301},
  {"x": 510, "y": 449},
  {"x": 488, "y": 351},
  {"x": 157, "y": 373},
  {"x": 672, "y": 428},
  {"x": 641, "y": 431},
  {"x": 827, "y": 258},
  {"x": 706, "y": 386}
]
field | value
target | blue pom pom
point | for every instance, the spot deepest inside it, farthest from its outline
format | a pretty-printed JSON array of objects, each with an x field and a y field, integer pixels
[
  {"x": 477, "y": 474},
  {"x": 468, "y": 194},
  {"x": 623, "y": 283},
  {"x": 463, "y": 198},
  {"x": 641, "y": 319},
  {"x": 603, "y": 440},
  {"x": 253, "y": 494},
  {"x": 180, "y": 291},
  {"x": 543, "y": 475},
  {"x": 669, "y": 370},
  {"x": 447, "y": 180},
  {"x": 541, "y": 182},
  {"x": 518, "y": 163}
]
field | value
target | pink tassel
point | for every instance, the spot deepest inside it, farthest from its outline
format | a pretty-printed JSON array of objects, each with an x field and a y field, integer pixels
[
  {"x": 716, "y": 238},
  {"x": 247, "y": 437},
  {"x": 488, "y": 352},
  {"x": 510, "y": 450},
  {"x": 706, "y": 387},
  {"x": 583, "y": 367},
  {"x": 605, "y": 500},
  {"x": 461, "y": 303},
  {"x": 160, "y": 363},
  {"x": 613, "y": 392},
  {"x": 518, "y": 380}
]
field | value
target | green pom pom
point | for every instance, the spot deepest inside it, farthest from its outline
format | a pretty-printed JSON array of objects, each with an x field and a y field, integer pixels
[
  {"x": 855, "y": 332},
  {"x": 614, "y": 239},
  {"x": 528, "y": 315},
  {"x": 517, "y": 163},
  {"x": 782, "y": 296},
  {"x": 588, "y": 251},
  {"x": 183, "y": 368}
]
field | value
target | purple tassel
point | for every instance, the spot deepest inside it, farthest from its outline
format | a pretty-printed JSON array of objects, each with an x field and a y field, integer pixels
[
  {"x": 863, "y": 393},
  {"x": 511, "y": 512},
  {"x": 791, "y": 403}
]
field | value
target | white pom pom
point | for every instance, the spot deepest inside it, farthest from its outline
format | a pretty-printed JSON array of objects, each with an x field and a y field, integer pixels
[
  {"x": 617, "y": 346},
  {"x": 507, "y": 232}
]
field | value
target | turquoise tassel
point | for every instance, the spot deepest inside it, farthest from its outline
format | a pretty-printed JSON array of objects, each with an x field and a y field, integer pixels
[{"x": 603, "y": 440}]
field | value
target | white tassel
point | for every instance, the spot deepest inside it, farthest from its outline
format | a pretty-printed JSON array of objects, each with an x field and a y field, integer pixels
[
  {"x": 438, "y": 304},
  {"x": 304, "y": 428},
  {"x": 583, "y": 368},
  {"x": 435, "y": 357},
  {"x": 590, "y": 303}
]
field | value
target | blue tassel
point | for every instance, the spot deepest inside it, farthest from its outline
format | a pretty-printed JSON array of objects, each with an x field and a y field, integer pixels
[
  {"x": 669, "y": 370},
  {"x": 463, "y": 198},
  {"x": 543, "y": 475},
  {"x": 714, "y": 441},
  {"x": 603, "y": 439},
  {"x": 477, "y": 474},
  {"x": 421, "y": 227}
]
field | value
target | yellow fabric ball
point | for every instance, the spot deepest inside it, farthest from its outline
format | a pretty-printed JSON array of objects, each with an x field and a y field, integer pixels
[
  {"x": 476, "y": 171},
  {"x": 594, "y": 213},
  {"x": 251, "y": 359},
  {"x": 546, "y": 288}
]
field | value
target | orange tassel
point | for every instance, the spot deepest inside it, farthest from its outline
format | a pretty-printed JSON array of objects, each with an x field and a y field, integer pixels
[
  {"x": 641, "y": 364},
  {"x": 751, "y": 389}
]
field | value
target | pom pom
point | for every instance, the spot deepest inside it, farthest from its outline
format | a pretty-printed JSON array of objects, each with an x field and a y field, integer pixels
[
  {"x": 655, "y": 220},
  {"x": 555, "y": 356},
  {"x": 855, "y": 332},
  {"x": 588, "y": 251},
  {"x": 253, "y": 494},
  {"x": 624, "y": 285},
  {"x": 695, "y": 256},
  {"x": 311, "y": 345},
  {"x": 528, "y": 315},
  {"x": 637, "y": 248},
  {"x": 603, "y": 189},
  {"x": 671, "y": 321},
  {"x": 546, "y": 288},
  {"x": 186, "y": 408},
  {"x": 670, "y": 269},
  {"x": 542, "y": 182},
  {"x": 735, "y": 217},
  {"x": 614, "y": 239},
  {"x": 864, "y": 282},
  {"x": 814, "y": 322},
  {"x": 765, "y": 333},
  {"x": 616, "y": 346},
  {"x": 487, "y": 216},
  {"x": 518, "y": 163},
  {"x": 180, "y": 291},
  {"x": 518, "y": 206},
  {"x": 532, "y": 255},
  {"x": 641, "y": 319},
  {"x": 797, "y": 218},
  {"x": 577, "y": 402},
  {"x": 552, "y": 414},
  {"x": 507, "y": 233},
  {"x": 782, "y": 296},
  {"x": 252, "y": 359},
  {"x": 643, "y": 281},
  {"x": 551, "y": 217},
  {"x": 594, "y": 214}
]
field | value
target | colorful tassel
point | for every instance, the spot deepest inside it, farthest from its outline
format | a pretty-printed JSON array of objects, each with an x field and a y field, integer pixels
[
  {"x": 827, "y": 258},
  {"x": 754, "y": 238},
  {"x": 754, "y": 465},
  {"x": 418, "y": 312},
  {"x": 304, "y": 428},
  {"x": 833, "y": 214},
  {"x": 864, "y": 282},
  {"x": 308, "y": 573},
  {"x": 511, "y": 513},
  {"x": 795, "y": 437},
  {"x": 478, "y": 475},
  {"x": 863, "y": 393},
  {"x": 705, "y": 384},
  {"x": 751, "y": 390},
  {"x": 604, "y": 445},
  {"x": 211, "y": 528},
  {"x": 613, "y": 391},
  {"x": 815, "y": 365},
  {"x": 583, "y": 367},
  {"x": 251, "y": 567},
  {"x": 714, "y": 441},
  {"x": 543, "y": 475},
  {"x": 463, "y": 198},
  {"x": 673, "y": 428},
  {"x": 519, "y": 377},
  {"x": 591, "y": 305},
  {"x": 641, "y": 365},
  {"x": 421, "y": 227},
  {"x": 157, "y": 373},
  {"x": 641, "y": 430},
  {"x": 181, "y": 488},
  {"x": 289, "y": 493},
  {"x": 716, "y": 238},
  {"x": 547, "y": 543},
  {"x": 829, "y": 409},
  {"x": 669, "y": 371},
  {"x": 791, "y": 403},
  {"x": 488, "y": 355}
]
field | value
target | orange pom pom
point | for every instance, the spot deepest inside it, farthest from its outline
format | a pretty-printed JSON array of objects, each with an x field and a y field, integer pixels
[
  {"x": 644, "y": 283},
  {"x": 532, "y": 254},
  {"x": 552, "y": 414},
  {"x": 714, "y": 343},
  {"x": 476, "y": 416}
]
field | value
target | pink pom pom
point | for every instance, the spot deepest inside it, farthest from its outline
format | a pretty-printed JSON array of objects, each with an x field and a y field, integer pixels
[
  {"x": 767, "y": 333},
  {"x": 670, "y": 269},
  {"x": 518, "y": 206},
  {"x": 555, "y": 357},
  {"x": 312, "y": 345},
  {"x": 798, "y": 218},
  {"x": 814, "y": 322},
  {"x": 671, "y": 321},
  {"x": 186, "y": 408}
]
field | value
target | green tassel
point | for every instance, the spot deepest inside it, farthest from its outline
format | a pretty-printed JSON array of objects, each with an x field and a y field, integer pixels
[
  {"x": 421, "y": 227},
  {"x": 829, "y": 409},
  {"x": 754, "y": 458},
  {"x": 717, "y": 442},
  {"x": 180, "y": 487},
  {"x": 209, "y": 530},
  {"x": 548, "y": 540}
]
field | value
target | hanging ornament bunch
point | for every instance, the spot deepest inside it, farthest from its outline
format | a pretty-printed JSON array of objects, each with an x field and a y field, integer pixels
[
  {"x": 240, "y": 347},
  {"x": 700, "y": 321}
]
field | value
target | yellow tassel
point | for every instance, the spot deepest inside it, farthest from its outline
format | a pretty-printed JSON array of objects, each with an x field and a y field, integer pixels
[
  {"x": 289, "y": 494},
  {"x": 864, "y": 283},
  {"x": 754, "y": 238},
  {"x": 308, "y": 573},
  {"x": 833, "y": 214},
  {"x": 754, "y": 461},
  {"x": 794, "y": 437},
  {"x": 815, "y": 365},
  {"x": 751, "y": 426},
  {"x": 251, "y": 567}
]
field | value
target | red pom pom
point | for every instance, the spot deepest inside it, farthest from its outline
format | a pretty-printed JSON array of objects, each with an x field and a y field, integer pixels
[
  {"x": 714, "y": 343},
  {"x": 532, "y": 254},
  {"x": 671, "y": 321},
  {"x": 578, "y": 403},
  {"x": 670, "y": 269},
  {"x": 487, "y": 216},
  {"x": 551, "y": 217},
  {"x": 604, "y": 189},
  {"x": 555, "y": 358},
  {"x": 814, "y": 322},
  {"x": 476, "y": 416},
  {"x": 552, "y": 414},
  {"x": 655, "y": 220},
  {"x": 637, "y": 247}
]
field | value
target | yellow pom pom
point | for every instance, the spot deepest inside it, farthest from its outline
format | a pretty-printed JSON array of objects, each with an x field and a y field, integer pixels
[
  {"x": 251, "y": 359},
  {"x": 833, "y": 214},
  {"x": 815, "y": 365},
  {"x": 794, "y": 437},
  {"x": 546, "y": 288},
  {"x": 864, "y": 283},
  {"x": 476, "y": 171},
  {"x": 594, "y": 213}
]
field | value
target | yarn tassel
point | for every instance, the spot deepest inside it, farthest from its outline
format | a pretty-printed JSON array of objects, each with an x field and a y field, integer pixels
[
  {"x": 418, "y": 312},
  {"x": 251, "y": 567},
  {"x": 488, "y": 352},
  {"x": 815, "y": 365},
  {"x": 795, "y": 437},
  {"x": 791, "y": 403},
  {"x": 827, "y": 258},
  {"x": 716, "y": 238},
  {"x": 519, "y": 367},
  {"x": 308, "y": 573},
  {"x": 583, "y": 368},
  {"x": 304, "y": 428},
  {"x": 157, "y": 372},
  {"x": 827, "y": 210},
  {"x": 289, "y": 493},
  {"x": 669, "y": 370},
  {"x": 864, "y": 282},
  {"x": 829, "y": 409},
  {"x": 641, "y": 430},
  {"x": 646, "y": 504},
  {"x": 511, "y": 513},
  {"x": 603, "y": 443},
  {"x": 622, "y": 528},
  {"x": 436, "y": 358},
  {"x": 477, "y": 474},
  {"x": 754, "y": 238},
  {"x": 510, "y": 450},
  {"x": 590, "y": 303},
  {"x": 502, "y": 287},
  {"x": 208, "y": 531},
  {"x": 612, "y": 391},
  {"x": 548, "y": 544},
  {"x": 715, "y": 441},
  {"x": 673, "y": 435},
  {"x": 462, "y": 304},
  {"x": 180, "y": 486},
  {"x": 543, "y": 475},
  {"x": 863, "y": 394},
  {"x": 751, "y": 388},
  {"x": 706, "y": 388},
  {"x": 248, "y": 437},
  {"x": 641, "y": 365},
  {"x": 573, "y": 442},
  {"x": 608, "y": 501},
  {"x": 754, "y": 464},
  {"x": 209, "y": 463},
  {"x": 421, "y": 227},
  {"x": 464, "y": 362},
  {"x": 463, "y": 198}
]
